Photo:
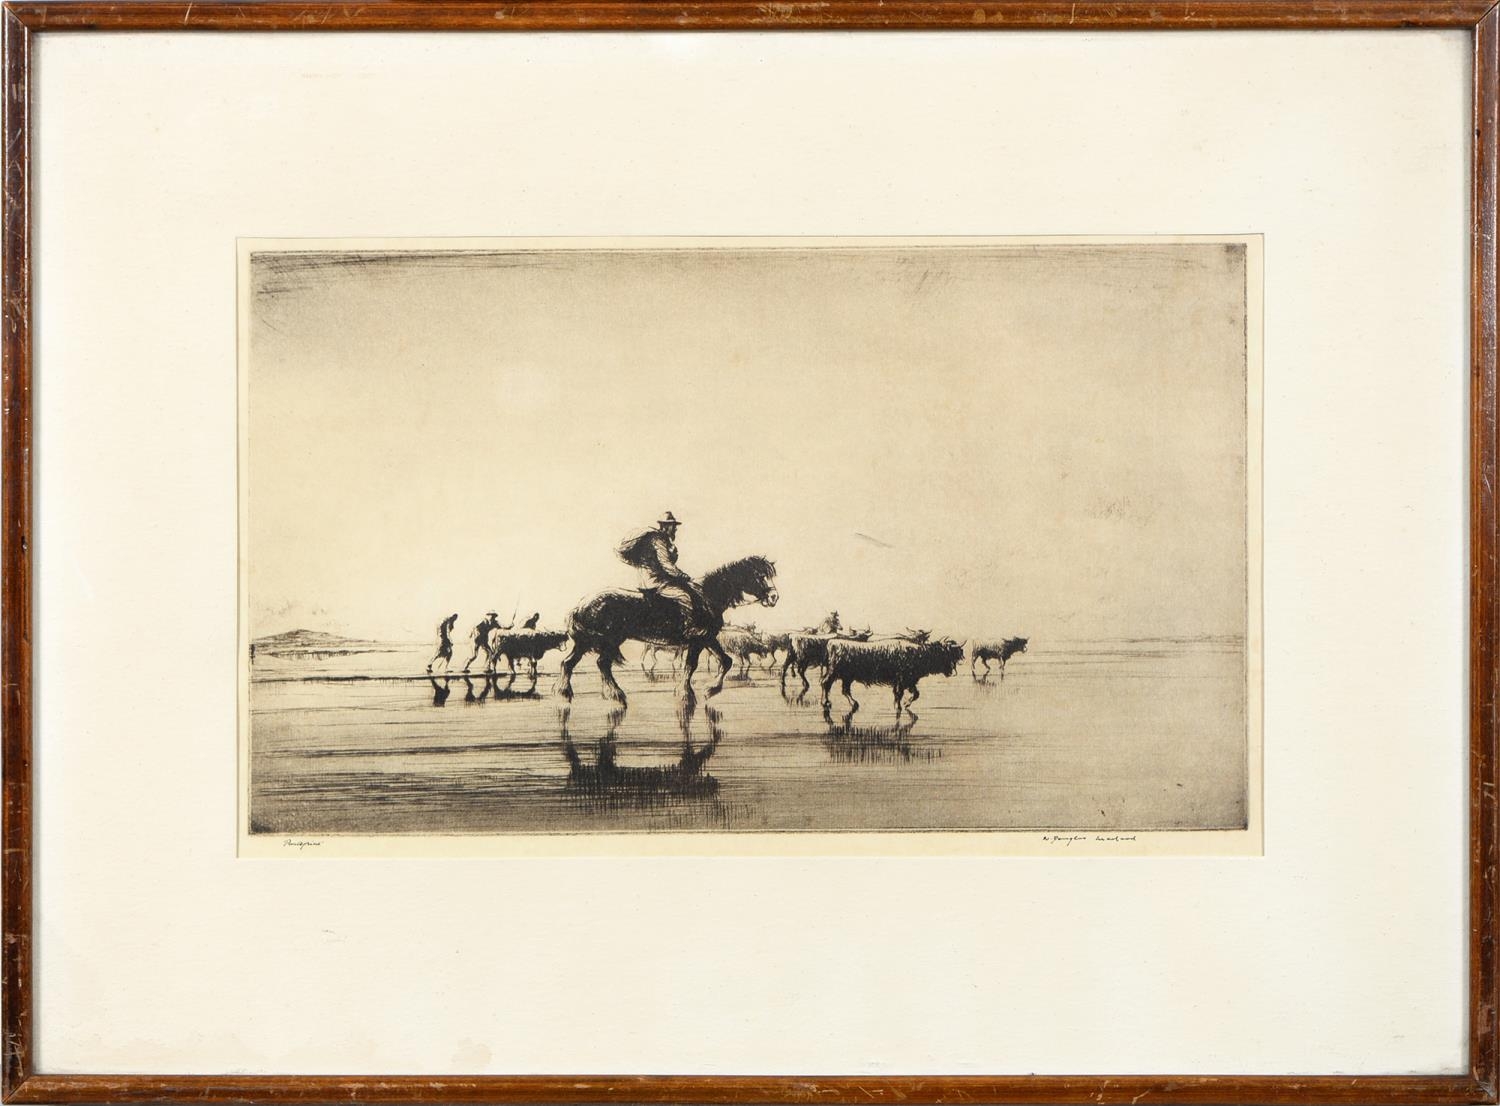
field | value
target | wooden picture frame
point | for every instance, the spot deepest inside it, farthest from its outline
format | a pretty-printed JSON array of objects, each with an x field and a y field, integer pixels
[{"x": 27, "y": 19}]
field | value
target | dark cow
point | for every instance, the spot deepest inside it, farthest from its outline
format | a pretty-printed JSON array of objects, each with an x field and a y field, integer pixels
[
  {"x": 1000, "y": 651},
  {"x": 896, "y": 664},
  {"x": 808, "y": 649},
  {"x": 524, "y": 645}
]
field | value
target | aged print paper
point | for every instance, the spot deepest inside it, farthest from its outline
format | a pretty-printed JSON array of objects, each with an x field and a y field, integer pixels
[{"x": 750, "y": 545}]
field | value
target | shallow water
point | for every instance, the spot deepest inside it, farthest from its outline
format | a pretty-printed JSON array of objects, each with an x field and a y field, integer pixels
[{"x": 1089, "y": 735}]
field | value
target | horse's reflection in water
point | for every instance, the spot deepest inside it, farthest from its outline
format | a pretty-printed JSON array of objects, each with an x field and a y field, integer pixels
[
  {"x": 847, "y": 742},
  {"x": 608, "y": 780},
  {"x": 494, "y": 686}
]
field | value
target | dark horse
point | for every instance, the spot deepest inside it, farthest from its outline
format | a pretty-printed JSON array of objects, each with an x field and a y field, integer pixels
[{"x": 612, "y": 618}]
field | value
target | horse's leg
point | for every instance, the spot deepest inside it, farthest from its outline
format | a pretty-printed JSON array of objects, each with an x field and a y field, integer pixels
[
  {"x": 609, "y": 686},
  {"x": 689, "y": 666},
  {"x": 1002, "y": 668},
  {"x": 725, "y": 664},
  {"x": 648, "y": 651},
  {"x": 575, "y": 763},
  {"x": 849, "y": 694},
  {"x": 897, "y": 690},
  {"x": 570, "y": 662},
  {"x": 915, "y": 695}
]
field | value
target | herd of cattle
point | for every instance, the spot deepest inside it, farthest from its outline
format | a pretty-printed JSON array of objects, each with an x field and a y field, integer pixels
[
  {"x": 898, "y": 661},
  {"x": 847, "y": 657}
]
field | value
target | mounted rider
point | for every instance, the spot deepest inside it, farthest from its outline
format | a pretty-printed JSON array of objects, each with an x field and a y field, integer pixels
[{"x": 654, "y": 552}]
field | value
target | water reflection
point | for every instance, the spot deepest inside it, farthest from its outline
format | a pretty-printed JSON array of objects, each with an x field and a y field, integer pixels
[
  {"x": 348, "y": 749},
  {"x": 793, "y": 697},
  {"x": 849, "y": 743},
  {"x": 494, "y": 686},
  {"x": 608, "y": 781}
]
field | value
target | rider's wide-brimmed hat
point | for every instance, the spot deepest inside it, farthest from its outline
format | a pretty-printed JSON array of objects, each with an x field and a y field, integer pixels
[
  {"x": 491, "y": 614},
  {"x": 668, "y": 519}
]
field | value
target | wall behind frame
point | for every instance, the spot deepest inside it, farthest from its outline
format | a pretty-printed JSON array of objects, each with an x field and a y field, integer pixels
[{"x": 1341, "y": 950}]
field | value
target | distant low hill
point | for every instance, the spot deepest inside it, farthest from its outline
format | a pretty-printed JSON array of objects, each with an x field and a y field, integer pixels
[{"x": 314, "y": 643}]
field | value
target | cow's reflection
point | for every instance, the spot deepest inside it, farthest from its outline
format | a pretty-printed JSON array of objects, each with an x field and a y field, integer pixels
[
  {"x": 608, "y": 780},
  {"x": 494, "y": 686},
  {"x": 847, "y": 742}
]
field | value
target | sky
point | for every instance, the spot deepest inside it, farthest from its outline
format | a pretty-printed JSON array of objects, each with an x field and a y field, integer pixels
[{"x": 981, "y": 440}]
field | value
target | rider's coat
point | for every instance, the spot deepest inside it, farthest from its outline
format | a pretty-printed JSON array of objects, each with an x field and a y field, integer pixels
[
  {"x": 659, "y": 565},
  {"x": 655, "y": 554}
]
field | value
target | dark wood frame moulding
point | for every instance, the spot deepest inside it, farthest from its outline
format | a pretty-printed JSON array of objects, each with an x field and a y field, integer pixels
[{"x": 25, "y": 19}]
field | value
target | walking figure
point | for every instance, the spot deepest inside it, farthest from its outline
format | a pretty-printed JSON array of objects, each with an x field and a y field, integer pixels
[
  {"x": 482, "y": 634},
  {"x": 445, "y": 643}
]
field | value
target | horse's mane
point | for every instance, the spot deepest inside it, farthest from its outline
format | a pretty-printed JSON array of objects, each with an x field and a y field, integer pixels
[
  {"x": 736, "y": 575},
  {"x": 745, "y": 567}
]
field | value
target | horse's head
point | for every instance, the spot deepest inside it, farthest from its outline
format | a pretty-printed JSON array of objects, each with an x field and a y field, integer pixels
[
  {"x": 751, "y": 579},
  {"x": 762, "y": 585},
  {"x": 951, "y": 652}
]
